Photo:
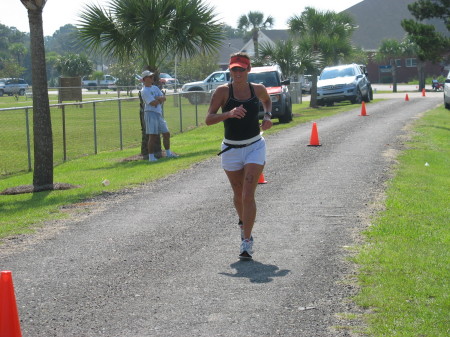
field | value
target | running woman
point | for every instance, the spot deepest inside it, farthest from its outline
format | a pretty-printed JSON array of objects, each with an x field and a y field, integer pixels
[{"x": 243, "y": 152}]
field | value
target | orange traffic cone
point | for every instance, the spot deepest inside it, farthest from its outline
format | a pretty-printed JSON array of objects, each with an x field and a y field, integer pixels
[
  {"x": 423, "y": 92},
  {"x": 314, "y": 140},
  {"x": 407, "y": 98},
  {"x": 363, "y": 109},
  {"x": 261, "y": 179},
  {"x": 9, "y": 317}
]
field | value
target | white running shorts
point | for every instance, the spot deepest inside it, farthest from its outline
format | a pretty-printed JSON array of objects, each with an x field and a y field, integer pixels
[{"x": 235, "y": 158}]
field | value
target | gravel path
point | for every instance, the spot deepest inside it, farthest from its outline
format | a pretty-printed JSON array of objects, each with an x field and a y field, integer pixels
[{"x": 161, "y": 260}]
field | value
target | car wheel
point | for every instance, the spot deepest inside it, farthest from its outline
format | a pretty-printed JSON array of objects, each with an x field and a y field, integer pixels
[
  {"x": 1, "y": 93},
  {"x": 358, "y": 98},
  {"x": 370, "y": 93},
  {"x": 367, "y": 98},
  {"x": 447, "y": 105},
  {"x": 330, "y": 104},
  {"x": 287, "y": 116},
  {"x": 21, "y": 92}
]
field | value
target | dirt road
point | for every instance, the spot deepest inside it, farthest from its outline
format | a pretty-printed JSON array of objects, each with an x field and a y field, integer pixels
[{"x": 161, "y": 260}]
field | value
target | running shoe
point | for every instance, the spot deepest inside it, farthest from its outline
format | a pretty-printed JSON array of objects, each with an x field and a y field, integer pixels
[
  {"x": 246, "y": 251},
  {"x": 172, "y": 155}
]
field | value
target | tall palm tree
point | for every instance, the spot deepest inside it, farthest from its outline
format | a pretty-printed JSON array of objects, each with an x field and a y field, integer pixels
[
  {"x": 254, "y": 22},
  {"x": 292, "y": 57},
  {"x": 19, "y": 50},
  {"x": 390, "y": 50},
  {"x": 326, "y": 35},
  {"x": 151, "y": 30},
  {"x": 285, "y": 54},
  {"x": 42, "y": 125}
]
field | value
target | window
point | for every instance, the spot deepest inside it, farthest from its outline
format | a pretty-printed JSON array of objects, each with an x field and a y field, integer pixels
[
  {"x": 411, "y": 62},
  {"x": 398, "y": 63}
]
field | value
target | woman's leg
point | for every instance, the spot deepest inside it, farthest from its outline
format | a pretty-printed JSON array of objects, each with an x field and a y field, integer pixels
[
  {"x": 244, "y": 183},
  {"x": 236, "y": 179}
]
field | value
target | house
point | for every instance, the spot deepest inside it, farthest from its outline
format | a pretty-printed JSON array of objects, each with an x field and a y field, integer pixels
[
  {"x": 381, "y": 19},
  {"x": 376, "y": 20}
]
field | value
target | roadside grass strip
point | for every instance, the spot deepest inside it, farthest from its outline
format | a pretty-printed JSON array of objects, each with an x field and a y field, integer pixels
[{"x": 404, "y": 266}]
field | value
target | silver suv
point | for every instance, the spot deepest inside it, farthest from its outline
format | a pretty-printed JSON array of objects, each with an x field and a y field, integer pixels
[
  {"x": 11, "y": 86},
  {"x": 198, "y": 92},
  {"x": 343, "y": 83}
]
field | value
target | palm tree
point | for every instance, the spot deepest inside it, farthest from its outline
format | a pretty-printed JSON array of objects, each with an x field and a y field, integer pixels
[
  {"x": 42, "y": 125},
  {"x": 390, "y": 50},
  {"x": 19, "y": 50},
  {"x": 412, "y": 49},
  {"x": 151, "y": 30},
  {"x": 327, "y": 37},
  {"x": 254, "y": 21},
  {"x": 285, "y": 54}
]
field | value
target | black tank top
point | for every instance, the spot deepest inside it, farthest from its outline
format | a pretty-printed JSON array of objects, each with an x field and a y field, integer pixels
[{"x": 244, "y": 128}]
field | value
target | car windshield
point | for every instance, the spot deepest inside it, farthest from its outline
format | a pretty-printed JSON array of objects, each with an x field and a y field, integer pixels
[
  {"x": 163, "y": 75},
  {"x": 268, "y": 79},
  {"x": 333, "y": 73}
]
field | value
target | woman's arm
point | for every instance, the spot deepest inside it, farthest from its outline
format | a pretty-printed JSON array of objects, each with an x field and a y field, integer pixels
[
  {"x": 262, "y": 94},
  {"x": 217, "y": 101}
]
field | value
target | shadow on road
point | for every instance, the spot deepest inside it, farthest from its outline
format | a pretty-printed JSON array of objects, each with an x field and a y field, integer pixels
[{"x": 256, "y": 272}]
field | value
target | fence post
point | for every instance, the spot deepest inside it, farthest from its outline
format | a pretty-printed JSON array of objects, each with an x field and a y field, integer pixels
[
  {"x": 27, "y": 122},
  {"x": 120, "y": 124},
  {"x": 181, "y": 114},
  {"x": 95, "y": 128},
  {"x": 196, "y": 114},
  {"x": 64, "y": 132}
]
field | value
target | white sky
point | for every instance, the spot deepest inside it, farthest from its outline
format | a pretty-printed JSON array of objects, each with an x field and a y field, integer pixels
[{"x": 58, "y": 13}]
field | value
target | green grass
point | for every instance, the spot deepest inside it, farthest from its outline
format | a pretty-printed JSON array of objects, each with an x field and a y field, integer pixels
[
  {"x": 79, "y": 128},
  {"x": 405, "y": 264}
]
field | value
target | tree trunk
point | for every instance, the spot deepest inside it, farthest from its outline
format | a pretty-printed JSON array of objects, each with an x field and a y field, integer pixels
[
  {"x": 313, "y": 101},
  {"x": 255, "y": 43},
  {"x": 42, "y": 125},
  {"x": 394, "y": 75},
  {"x": 421, "y": 74}
]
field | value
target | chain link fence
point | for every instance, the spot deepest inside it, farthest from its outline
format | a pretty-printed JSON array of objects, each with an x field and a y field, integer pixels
[
  {"x": 92, "y": 126},
  {"x": 86, "y": 128}
]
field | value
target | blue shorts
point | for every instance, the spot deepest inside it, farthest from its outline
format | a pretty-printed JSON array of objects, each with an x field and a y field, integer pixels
[
  {"x": 235, "y": 158},
  {"x": 155, "y": 123}
]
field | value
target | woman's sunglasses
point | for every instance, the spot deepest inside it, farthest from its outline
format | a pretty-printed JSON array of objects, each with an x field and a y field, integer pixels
[{"x": 238, "y": 69}]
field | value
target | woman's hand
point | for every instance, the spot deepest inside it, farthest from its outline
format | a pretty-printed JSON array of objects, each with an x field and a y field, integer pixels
[
  {"x": 266, "y": 124},
  {"x": 238, "y": 112}
]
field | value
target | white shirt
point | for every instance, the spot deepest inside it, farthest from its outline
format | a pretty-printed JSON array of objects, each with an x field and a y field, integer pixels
[{"x": 149, "y": 94}]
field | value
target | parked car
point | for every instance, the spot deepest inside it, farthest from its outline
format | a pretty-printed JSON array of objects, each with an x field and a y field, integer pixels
[
  {"x": 447, "y": 91},
  {"x": 365, "y": 72},
  {"x": 13, "y": 86},
  {"x": 199, "y": 92},
  {"x": 168, "y": 81},
  {"x": 306, "y": 84},
  {"x": 271, "y": 77},
  {"x": 277, "y": 87},
  {"x": 107, "y": 81},
  {"x": 343, "y": 83}
]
